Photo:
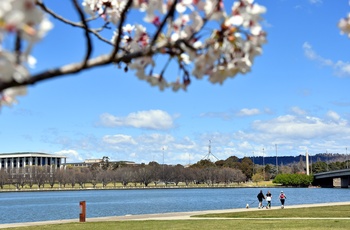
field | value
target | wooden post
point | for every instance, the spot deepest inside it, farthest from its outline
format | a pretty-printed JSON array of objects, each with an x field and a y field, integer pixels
[{"x": 82, "y": 215}]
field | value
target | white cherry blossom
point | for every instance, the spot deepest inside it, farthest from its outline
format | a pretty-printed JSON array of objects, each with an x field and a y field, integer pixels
[
  {"x": 344, "y": 25},
  {"x": 8, "y": 96},
  {"x": 228, "y": 46}
]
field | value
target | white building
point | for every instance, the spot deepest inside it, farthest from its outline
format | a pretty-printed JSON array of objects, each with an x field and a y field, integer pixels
[{"x": 24, "y": 159}]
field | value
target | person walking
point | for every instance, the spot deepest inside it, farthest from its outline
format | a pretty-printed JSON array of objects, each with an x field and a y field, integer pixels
[
  {"x": 282, "y": 199},
  {"x": 260, "y": 197},
  {"x": 268, "y": 199}
]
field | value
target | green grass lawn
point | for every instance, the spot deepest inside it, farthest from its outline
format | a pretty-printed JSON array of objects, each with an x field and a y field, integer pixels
[
  {"x": 337, "y": 211},
  {"x": 305, "y": 218}
]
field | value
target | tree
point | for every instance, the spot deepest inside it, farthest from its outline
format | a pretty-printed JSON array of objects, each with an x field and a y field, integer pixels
[
  {"x": 319, "y": 166},
  {"x": 232, "y": 162},
  {"x": 3, "y": 177},
  {"x": 178, "y": 171},
  {"x": 40, "y": 175},
  {"x": 173, "y": 30},
  {"x": 144, "y": 175},
  {"x": 225, "y": 175},
  {"x": 204, "y": 163},
  {"x": 124, "y": 175},
  {"x": 52, "y": 177},
  {"x": 247, "y": 167},
  {"x": 104, "y": 176},
  {"x": 257, "y": 178},
  {"x": 188, "y": 175},
  {"x": 105, "y": 163},
  {"x": 82, "y": 175},
  {"x": 62, "y": 177},
  {"x": 299, "y": 180}
]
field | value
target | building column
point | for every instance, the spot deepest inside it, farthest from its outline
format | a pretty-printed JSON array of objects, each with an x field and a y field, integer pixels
[{"x": 11, "y": 163}]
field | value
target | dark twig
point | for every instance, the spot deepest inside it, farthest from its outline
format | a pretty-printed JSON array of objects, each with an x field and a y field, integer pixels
[
  {"x": 18, "y": 47},
  {"x": 87, "y": 34},
  {"x": 170, "y": 14},
  {"x": 120, "y": 28},
  {"x": 74, "y": 24},
  {"x": 76, "y": 68}
]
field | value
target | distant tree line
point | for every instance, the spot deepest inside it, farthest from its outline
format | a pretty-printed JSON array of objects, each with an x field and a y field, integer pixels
[
  {"x": 224, "y": 172},
  {"x": 288, "y": 160}
]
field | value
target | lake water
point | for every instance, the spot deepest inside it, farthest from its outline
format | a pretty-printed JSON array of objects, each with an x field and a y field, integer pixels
[{"x": 57, "y": 205}]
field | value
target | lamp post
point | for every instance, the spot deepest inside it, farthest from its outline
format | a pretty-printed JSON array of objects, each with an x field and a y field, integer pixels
[
  {"x": 253, "y": 163},
  {"x": 276, "y": 159},
  {"x": 263, "y": 164},
  {"x": 347, "y": 158},
  {"x": 163, "y": 166}
]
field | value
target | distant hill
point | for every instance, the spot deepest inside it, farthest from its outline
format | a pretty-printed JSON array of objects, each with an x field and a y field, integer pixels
[{"x": 286, "y": 160}]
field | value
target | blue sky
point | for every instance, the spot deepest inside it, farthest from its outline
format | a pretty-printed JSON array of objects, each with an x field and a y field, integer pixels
[{"x": 295, "y": 97}]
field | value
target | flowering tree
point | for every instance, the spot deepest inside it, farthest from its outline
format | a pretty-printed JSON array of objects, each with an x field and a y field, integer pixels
[{"x": 174, "y": 30}]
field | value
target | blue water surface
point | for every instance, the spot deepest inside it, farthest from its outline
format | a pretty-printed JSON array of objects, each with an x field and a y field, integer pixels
[{"x": 19, "y": 207}]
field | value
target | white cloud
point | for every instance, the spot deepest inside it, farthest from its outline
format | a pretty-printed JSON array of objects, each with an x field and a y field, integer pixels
[
  {"x": 298, "y": 111},
  {"x": 292, "y": 132},
  {"x": 341, "y": 68},
  {"x": 157, "y": 138},
  {"x": 294, "y": 127},
  {"x": 151, "y": 119},
  {"x": 315, "y": 1},
  {"x": 229, "y": 115},
  {"x": 335, "y": 117},
  {"x": 118, "y": 139},
  {"x": 72, "y": 155},
  {"x": 248, "y": 112}
]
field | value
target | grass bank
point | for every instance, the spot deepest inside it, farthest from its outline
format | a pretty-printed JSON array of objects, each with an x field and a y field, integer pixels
[{"x": 320, "y": 218}]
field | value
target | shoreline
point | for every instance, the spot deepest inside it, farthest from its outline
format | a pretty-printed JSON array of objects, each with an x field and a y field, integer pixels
[
  {"x": 138, "y": 188},
  {"x": 161, "y": 216}
]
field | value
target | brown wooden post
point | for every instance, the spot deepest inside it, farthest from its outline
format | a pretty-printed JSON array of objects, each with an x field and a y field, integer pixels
[{"x": 82, "y": 215}]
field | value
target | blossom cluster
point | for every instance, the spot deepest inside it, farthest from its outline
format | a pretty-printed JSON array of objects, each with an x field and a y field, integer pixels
[
  {"x": 21, "y": 21},
  {"x": 200, "y": 38},
  {"x": 235, "y": 37},
  {"x": 344, "y": 25}
]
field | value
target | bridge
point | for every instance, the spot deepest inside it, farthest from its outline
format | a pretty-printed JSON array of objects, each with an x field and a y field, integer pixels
[{"x": 325, "y": 179}]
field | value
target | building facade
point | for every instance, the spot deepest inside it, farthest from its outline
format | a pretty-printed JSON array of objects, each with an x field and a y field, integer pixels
[
  {"x": 11, "y": 161},
  {"x": 99, "y": 162}
]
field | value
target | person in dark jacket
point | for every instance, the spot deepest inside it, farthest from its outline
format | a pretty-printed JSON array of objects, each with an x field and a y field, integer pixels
[{"x": 260, "y": 197}]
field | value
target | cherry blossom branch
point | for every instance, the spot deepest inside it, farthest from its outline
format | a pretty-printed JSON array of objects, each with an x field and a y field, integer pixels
[
  {"x": 87, "y": 34},
  {"x": 18, "y": 48},
  {"x": 235, "y": 39},
  {"x": 74, "y": 24},
  {"x": 121, "y": 23},
  {"x": 170, "y": 14},
  {"x": 75, "y": 68}
]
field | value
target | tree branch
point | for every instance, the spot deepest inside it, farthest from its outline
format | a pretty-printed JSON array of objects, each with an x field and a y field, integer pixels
[
  {"x": 76, "y": 68},
  {"x": 74, "y": 24},
  {"x": 120, "y": 28},
  {"x": 170, "y": 14},
  {"x": 87, "y": 34}
]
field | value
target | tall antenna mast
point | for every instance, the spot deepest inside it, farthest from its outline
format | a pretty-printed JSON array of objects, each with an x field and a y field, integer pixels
[{"x": 207, "y": 157}]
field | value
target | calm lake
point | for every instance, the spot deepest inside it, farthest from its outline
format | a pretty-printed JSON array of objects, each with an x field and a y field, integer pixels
[{"x": 57, "y": 205}]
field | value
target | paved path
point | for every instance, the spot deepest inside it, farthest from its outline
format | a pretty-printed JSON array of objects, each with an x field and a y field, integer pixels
[{"x": 169, "y": 216}]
